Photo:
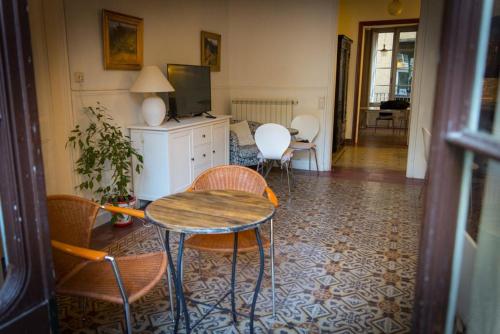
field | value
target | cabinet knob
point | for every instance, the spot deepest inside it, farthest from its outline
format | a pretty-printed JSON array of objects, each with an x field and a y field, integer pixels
[
  {"x": 204, "y": 155},
  {"x": 213, "y": 151},
  {"x": 192, "y": 159},
  {"x": 203, "y": 136}
]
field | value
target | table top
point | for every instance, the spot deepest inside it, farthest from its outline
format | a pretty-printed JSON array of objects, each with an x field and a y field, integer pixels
[{"x": 210, "y": 212}]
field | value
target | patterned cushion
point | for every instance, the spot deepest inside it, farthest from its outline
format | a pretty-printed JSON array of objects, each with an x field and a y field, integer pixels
[{"x": 243, "y": 155}]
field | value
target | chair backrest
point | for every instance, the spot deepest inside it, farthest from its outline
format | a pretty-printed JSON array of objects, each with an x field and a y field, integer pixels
[
  {"x": 427, "y": 143},
  {"x": 272, "y": 140},
  {"x": 71, "y": 219},
  {"x": 230, "y": 177},
  {"x": 307, "y": 125}
]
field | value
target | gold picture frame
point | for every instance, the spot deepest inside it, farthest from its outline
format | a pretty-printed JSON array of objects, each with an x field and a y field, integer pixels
[
  {"x": 210, "y": 50},
  {"x": 122, "y": 37}
]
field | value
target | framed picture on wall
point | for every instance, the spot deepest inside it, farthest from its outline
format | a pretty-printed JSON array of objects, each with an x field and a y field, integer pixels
[
  {"x": 210, "y": 50},
  {"x": 122, "y": 37}
]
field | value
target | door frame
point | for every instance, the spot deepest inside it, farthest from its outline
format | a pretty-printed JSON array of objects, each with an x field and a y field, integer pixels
[
  {"x": 450, "y": 140},
  {"x": 27, "y": 298},
  {"x": 357, "y": 75}
]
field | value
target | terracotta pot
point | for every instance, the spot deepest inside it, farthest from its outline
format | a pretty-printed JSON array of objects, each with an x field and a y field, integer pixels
[{"x": 126, "y": 220}]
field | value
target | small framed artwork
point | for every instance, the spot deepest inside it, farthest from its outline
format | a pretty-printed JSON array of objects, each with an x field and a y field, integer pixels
[
  {"x": 122, "y": 37},
  {"x": 210, "y": 50}
]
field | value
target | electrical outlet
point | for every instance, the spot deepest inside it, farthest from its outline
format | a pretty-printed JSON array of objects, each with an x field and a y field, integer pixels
[
  {"x": 79, "y": 77},
  {"x": 321, "y": 103}
]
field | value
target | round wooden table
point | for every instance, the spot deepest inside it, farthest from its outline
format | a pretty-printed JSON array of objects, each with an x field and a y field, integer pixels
[{"x": 210, "y": 212}]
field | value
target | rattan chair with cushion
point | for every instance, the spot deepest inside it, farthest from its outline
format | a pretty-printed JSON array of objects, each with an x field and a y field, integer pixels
[
  {"x": 240, "y": 178},
  {"x": 84, "y": 272}
]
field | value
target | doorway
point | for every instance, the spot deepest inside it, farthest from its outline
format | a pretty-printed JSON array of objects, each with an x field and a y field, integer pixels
[{"x": 383, "y": 87}]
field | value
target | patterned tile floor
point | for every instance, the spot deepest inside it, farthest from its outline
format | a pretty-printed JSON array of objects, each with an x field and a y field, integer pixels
[
  {"x": 376, "y": 150},
  {"x": 346, "y": 255}
]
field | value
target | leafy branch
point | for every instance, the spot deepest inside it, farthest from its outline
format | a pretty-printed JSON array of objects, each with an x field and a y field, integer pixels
[{"x": 103, "y": 146}]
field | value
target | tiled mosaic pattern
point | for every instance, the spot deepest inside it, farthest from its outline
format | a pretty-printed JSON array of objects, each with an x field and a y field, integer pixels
[{"x": 345, "y": 263}]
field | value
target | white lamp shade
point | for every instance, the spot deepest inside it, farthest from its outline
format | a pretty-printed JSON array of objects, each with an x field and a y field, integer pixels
[{"x": 151, "y": 80}]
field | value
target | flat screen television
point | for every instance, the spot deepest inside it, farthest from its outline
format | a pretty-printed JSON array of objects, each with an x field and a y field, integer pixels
[{"x": 192, "y": 95}]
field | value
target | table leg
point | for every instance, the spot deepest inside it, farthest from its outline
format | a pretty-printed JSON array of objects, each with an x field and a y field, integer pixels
[
  {"x": 179, "y": 292},
  {"x": 259, "y": 279},
  {"x": 233, "y": 276}
]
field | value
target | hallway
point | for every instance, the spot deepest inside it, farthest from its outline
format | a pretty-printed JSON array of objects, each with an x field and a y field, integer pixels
[{"x": 375, "y": 151}]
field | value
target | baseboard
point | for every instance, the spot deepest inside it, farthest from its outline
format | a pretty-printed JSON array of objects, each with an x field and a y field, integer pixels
[{"x": 103, "y": 217}]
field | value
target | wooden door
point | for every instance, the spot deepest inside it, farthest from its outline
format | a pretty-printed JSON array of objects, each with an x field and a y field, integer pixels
[
  {"x": 27, "y": 298},
  {"x": 465, "y": 148}
]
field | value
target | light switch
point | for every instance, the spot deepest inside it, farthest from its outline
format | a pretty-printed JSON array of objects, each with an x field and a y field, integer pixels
[
  {"x": 321, "y": 103},
  {"x": 79, "y": 77}
]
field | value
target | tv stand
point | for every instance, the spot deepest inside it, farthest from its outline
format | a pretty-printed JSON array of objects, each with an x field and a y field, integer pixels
[
  {"x": 209, "y": 115},
  {"x": 173, "y": 117}
]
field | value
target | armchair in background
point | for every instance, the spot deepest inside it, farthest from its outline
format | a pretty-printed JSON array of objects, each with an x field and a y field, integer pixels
[{"x": 243, "y": 155}]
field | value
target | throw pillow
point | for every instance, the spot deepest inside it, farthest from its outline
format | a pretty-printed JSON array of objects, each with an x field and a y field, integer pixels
[{"x": 242, "y": 131}]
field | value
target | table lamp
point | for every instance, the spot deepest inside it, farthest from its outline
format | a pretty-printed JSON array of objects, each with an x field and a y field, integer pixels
[{"x": 151, "y": 80}]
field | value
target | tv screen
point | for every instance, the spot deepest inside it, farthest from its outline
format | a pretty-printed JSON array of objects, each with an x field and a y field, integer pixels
[{"x": 192, "y": 89}]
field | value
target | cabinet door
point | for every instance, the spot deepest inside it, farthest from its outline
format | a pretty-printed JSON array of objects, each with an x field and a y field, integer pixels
[
  {"x": 152, "y": 182},
  {"x": 202, "y": 159},
  {"x": 181, "y": 160},
  {"x": 220, "y": 144}
]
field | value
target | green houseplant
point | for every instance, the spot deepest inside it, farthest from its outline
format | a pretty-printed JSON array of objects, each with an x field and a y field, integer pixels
[{"x": 104, "y": 161}]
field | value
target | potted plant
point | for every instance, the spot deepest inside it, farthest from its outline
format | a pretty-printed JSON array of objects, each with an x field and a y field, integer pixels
[{"x": 104, "y": 161}]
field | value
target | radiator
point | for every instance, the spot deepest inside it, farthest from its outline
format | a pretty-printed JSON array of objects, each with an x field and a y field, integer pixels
[{"x": 263, "y": 110}]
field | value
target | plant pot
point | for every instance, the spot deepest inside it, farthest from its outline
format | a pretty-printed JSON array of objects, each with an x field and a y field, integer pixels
[{"x": 125, "y": 220}]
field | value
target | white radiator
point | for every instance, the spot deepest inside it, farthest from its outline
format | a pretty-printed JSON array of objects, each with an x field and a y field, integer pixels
[{"x": 263, "y": 110}]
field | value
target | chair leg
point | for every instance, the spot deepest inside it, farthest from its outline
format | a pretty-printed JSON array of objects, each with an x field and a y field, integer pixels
[
  {"x": 316, "y": 158},
  {"x": 288, "y": 178},
  {"x": 123, "y": 294},
  {"x": 83, "y": 307},
  {"x": 128, "y": 321},
  {"x": 199, "y": 265},
  {"x": 169, "y": 276},
  {"x": 309, "y": 161},
  {"x": 273, "y": 284}
]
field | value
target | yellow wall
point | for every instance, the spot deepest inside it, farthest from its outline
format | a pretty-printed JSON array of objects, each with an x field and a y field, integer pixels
[{"x": 351, "y": 12}]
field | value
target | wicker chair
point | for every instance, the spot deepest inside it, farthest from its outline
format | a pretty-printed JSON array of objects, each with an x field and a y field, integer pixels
[
  {"x": 84, "y": 272},
  {"x": 233, "y": 177}
]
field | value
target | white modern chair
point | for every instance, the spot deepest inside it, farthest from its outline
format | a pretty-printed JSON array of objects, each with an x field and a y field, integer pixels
[
  {"x": 308, "y": 127},
  {"x": 273, "y": 141}
]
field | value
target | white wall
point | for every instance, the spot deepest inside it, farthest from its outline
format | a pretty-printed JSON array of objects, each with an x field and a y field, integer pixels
[
  {"x": 171, "y": 35},
  {"x": 281, "y": 49},
  {"x": 286, "y": 48},
  {"x": 426, "y": 68}
]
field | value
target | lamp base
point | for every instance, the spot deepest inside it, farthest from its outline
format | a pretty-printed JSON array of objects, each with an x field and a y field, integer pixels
[{"x": 153, "y": 110}]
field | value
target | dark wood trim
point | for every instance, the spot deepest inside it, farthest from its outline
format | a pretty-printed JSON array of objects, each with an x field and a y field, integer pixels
[
  {"x": 349, "y": 142},
  {"x": 361, "y": 28},
  {"x": 477, "y": 142},
  {"x": 28, "y": 290},
  {"x": 451, "y": 109}
]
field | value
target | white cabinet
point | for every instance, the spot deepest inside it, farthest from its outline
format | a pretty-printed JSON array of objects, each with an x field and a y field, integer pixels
[
  {"x": 180, "y": 155},
  {"x": 176, "y": 153}
]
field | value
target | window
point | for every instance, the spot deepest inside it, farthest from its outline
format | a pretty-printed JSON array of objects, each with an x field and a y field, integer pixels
[{"x": 393, "y": 54}]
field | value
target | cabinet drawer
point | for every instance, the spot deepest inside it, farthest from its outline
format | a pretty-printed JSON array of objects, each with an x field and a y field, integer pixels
[
  {"x": 202, "y": 155},
  {"x": 202, "y": 135}
]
